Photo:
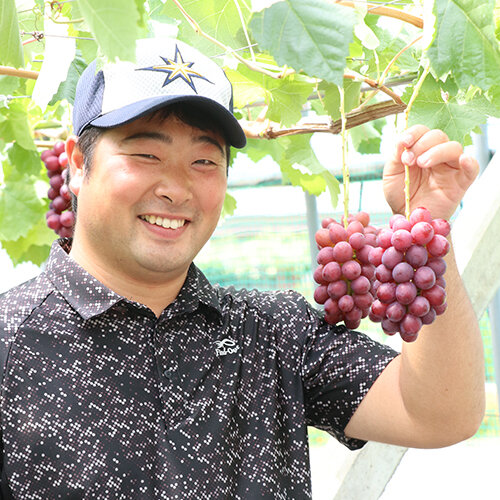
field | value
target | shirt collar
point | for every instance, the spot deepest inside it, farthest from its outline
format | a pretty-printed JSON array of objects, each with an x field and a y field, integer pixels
[{"x": 89, "y": 297}]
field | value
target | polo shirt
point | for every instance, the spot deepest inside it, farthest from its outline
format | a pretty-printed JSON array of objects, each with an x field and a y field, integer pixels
[{"x": 102, "y": 399}]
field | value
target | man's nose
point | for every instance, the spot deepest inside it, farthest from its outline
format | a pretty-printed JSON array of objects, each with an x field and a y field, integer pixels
[{"x": 175, "y": 185}]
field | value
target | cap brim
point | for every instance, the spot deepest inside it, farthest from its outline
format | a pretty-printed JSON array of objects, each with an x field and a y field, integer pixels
[{"x": 131, "y": 112}]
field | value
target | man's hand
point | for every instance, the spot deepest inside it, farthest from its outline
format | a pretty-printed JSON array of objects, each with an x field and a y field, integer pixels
[{"x": 439, "y": 172}]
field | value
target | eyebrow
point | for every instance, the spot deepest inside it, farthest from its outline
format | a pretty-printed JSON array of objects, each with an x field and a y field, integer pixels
[{"x": 157, "y": 136}]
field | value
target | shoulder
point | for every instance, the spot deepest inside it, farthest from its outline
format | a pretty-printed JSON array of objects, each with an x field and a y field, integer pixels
[{"x": 19, "y": 302}]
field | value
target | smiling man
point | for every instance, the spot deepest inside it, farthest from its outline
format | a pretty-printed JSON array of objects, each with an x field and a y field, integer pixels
[{"x": 126, "y": 374}]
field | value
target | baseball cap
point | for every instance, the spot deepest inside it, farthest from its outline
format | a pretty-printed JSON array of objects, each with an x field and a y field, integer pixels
[{"x": 166, "y": 71}]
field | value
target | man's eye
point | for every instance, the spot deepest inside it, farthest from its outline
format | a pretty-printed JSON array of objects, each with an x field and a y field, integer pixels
[
  {"x": 145, "y": 155},
  {"x": 205, "y": 162}
]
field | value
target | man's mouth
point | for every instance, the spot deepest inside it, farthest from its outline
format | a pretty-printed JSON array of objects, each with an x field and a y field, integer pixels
[{"x": 163, "y": 222}]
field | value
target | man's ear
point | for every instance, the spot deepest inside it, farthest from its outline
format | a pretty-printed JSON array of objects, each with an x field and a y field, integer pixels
[{"x": 76, "y": 164}]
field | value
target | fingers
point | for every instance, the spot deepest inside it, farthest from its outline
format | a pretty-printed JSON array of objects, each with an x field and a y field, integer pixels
[
  {"x": 469, "y": 166},
  {"x": 428, "y": 148}
]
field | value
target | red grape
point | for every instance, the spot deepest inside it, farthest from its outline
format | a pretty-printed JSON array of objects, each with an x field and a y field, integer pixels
[
  {"x": 424, "y": 278},
  {"x": 406, "y": 293},
  {"x": 416, "y": 256},
  {"x": 321, "y": 294},
  {"x": 438, "y": 246},
  {"x": 392, "y": 257},
  {"x": 402, "y": 272},
  {"x": 332, "y": 271},
  {"x": 351, "y": 270},
  {"x": 422, "y": 233},
  {"x": 401, "y": 240},
  {"x": 342, "y": 251},
  {"x": 420, "y": 214},
  {"x": 325, "y": 255}
]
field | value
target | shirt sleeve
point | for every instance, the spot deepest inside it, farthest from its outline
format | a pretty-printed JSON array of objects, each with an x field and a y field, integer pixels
[{"x": 338, "y": 368}]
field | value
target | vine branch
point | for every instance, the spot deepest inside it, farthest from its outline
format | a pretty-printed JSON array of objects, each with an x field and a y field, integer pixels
[
  {"x": 388, "y": 12},
  {"x": 381, "y": 80},
  {"x": 260, "y": 129},
  {"x": 21, "y": 73}
]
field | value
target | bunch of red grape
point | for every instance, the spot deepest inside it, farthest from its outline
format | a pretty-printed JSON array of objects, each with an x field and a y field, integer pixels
[
  {"x": 345, "y": 274},
  {"x": 394, "y": 275},
  {"x": 409, "y": 285},
  {"x": 60, "y": 217}
]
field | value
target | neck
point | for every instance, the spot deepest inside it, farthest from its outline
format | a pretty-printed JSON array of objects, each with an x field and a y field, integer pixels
[{"x": 152, "y": 289}]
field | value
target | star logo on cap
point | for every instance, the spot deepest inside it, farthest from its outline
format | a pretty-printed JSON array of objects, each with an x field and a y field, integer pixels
[{"x": 177, "y": 68}]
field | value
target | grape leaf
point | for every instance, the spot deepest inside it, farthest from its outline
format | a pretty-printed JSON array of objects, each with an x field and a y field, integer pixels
[
  {"x": 67, "y": 87},
  {"x": 229, "y": 205},
  {"x": 308, "y": 35},
  {"x": 439, "y": 106},
  {"x": 284, "y": 96},
  {"x": 34, "y": 247},
  {"x": 286, "y": 99},
  {"x": 10, "y": 40},
  {"x": 14, "y": 125},
  {"x": 313, "y": 184},
  {"x": 218, "y": 18},
  {"x": 20, "y": 208},
  {"x": 299, "y": 153},
  {"x": 114, "y": 24},
  {"x": 9, "y": 84},
  {"x": 366, "y": 138},
  {"x": 245, "y": 90},
  {"x": 256, "y": 149},
  {"x": 465, "y": 42},
  {"x": 331, "y": 99},
  {"x": 25, "y": 161}
]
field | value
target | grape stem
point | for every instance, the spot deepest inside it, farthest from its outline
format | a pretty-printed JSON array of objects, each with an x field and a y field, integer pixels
[
  {"x": 414, "y": 95},
  {"x": 345, "y": 169}
]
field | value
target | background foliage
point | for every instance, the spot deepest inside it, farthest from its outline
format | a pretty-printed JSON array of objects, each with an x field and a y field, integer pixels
[{"x": 286, "y": 60}]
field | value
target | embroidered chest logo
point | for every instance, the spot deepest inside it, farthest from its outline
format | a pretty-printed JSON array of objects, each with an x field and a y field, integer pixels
[
  {"x": 225, "y": 346},
  {"x": 177, "y": 68}
]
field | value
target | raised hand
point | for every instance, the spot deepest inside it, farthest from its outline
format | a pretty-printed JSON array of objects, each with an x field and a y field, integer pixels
[{"x": 440, "y": 173}]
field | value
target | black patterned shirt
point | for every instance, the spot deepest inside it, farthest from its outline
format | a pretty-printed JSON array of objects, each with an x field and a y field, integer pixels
[{"x": 102, "y": 399}]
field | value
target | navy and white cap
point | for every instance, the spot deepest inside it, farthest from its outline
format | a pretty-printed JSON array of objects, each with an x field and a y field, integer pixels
[{"x": 166, "y": 71}]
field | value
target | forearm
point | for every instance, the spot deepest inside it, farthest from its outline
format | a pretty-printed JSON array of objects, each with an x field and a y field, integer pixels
[{"x": 442, "y": 373}]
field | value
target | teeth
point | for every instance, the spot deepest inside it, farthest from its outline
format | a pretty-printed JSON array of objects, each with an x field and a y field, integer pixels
[{"x": 166, "y": 223}]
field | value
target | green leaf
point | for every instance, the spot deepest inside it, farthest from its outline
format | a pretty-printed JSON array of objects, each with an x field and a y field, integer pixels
[
  {"x": 218, "y": 18},
  {"x": 11, "y": 53},
  {"x": 9, "y": 84},
  {"x": 229, "y": 205},
  {"x": 14, "y": 125},
  {"x": 34, "y": 247},
  {"x": 25, "y": 161},
  {"x": 20, "y": 208},
  {"x": 67, "y": 87},
  {"x": 245, "y": 90},
  {"x": 287, "y": 98},
  {"x": 391, "y": 44},
  {"x": 331, "y": 99},
  {"x": 313, "y": 184},
  {"x": 299, "y": 152},
  {"x": 439, "y": 105},
  {"x": 299, "y": 156},
  {"x": 309, "y": 35},
  {"x": 284, "y": 96},
  {"x": 366, "y": 138},
  {"x": 87, "y": 48},
  {"x": 114, "y": 24},
  {"x": 256, "y": 149},
  {"x": 465, "y": 42}
]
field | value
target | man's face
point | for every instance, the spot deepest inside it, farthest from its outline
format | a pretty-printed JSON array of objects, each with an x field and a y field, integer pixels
[{"x": 152, "y": 198}]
